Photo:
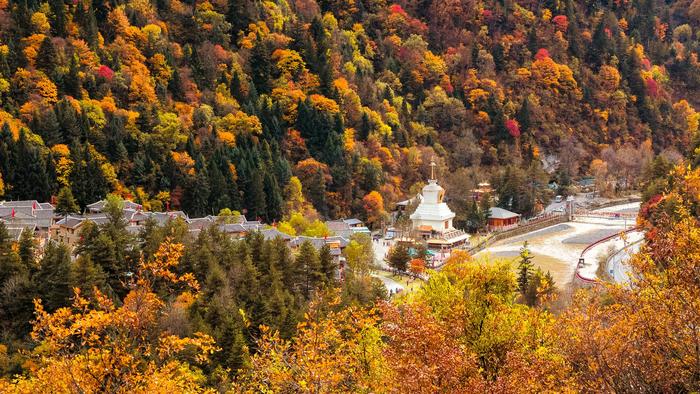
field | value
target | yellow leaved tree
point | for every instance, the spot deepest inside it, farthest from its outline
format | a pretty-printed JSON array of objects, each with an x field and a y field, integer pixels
[{"x": 96, "y": 346}]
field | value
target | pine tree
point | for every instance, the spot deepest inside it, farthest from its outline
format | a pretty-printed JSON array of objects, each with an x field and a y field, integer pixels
[
  {"x": 68, "y": 121},
  {"x": 71, "y": 82},
  {"x": 27, "y": 249},
  {"x": 309, "y": 268},
  {"x": 90, "y": 27},
  {"x": 273, "y": 198},
  {"x": 573, "y": 33},
  {"x": 399, "y": 257},
  {"x": 484, "y": 210},
  {"x": 198, "y": 191},
  {"x": 218, "y": 196},
  {"x": 255, "y": 199},
  {"x": 10, "y": 262},
  {"x": 86, "y": 178},
  {"x": 599, "y": 48},
  {"x": 58, "y": 24},
  {"x": 235, "y": 87},
  {"x": 53, "y": 278},
  {"x": 7, "y": 146},
  {"x": 65, "y": 202},
  {"x": 30, "y": 179},
  {"x": 524, "y": 269},
  {"x": 523, "y": 116},
  {"x": 261, "y": 66},
  {"x": 365, "y": 128},
  {"x": 45, "y": 123},
  {"x": 46, "y": 57},
  {"x": 86, "y": 275},
  {"x": 327, "y": 265},
  {"x": 16, "y": 306}
]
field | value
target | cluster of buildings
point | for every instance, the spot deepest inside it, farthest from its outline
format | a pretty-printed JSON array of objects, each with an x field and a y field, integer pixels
[
  {"x": 46, "y": 224},
  {"x": 431, "y": 222}
]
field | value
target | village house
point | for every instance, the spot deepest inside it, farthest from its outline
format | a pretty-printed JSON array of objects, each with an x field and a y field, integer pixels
[
  {"x": 28, "y": 213},
  {"x": 336, "y": 245},
  {"x": 67, "y": 230},
  {"x": 502, "y": 219},
  {"x": 347, "y": 227},
  {"x": 483, "y": 189},
  {"x": 99, "y": 206}
]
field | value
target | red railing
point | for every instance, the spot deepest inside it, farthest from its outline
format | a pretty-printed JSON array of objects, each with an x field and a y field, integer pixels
[{"x": 591, "y": 246}]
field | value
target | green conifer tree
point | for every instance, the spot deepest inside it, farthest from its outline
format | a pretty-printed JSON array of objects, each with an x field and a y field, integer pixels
[
  {"x": 65, "y": 202},
  {"x": 53, "y": 278}
]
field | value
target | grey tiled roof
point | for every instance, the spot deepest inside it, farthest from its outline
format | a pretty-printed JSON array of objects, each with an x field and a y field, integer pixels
[
  {"x": 500, "y": 213},
  {"x": 100, "y": 205},
  {"x": 70, "y": 221},
  {"x": 272, "y": 233},
  {"x": 319, "y": 242}
]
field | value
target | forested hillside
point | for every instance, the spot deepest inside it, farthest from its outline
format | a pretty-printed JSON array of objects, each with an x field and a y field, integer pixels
[{"x": 210, "y": 105}]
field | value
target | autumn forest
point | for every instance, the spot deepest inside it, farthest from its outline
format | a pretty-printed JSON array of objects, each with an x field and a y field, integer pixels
[{"x": 296, "y": 112}]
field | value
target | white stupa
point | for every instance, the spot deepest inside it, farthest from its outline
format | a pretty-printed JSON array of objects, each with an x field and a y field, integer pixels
[
  {"x": 432, "y": 211},
  {"x": 432, "y": 219}
]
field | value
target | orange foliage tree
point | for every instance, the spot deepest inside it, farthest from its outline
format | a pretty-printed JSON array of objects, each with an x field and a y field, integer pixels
[{"x": 96, "y": 346}]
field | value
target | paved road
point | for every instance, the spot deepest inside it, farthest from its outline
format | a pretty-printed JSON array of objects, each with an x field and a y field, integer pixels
[
  {"x": 617, "y": 266},
  {"x": 391, "y": 285}
]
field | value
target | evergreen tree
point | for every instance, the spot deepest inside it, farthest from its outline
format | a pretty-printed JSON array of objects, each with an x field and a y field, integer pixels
[
  {"x": 473, "y": 216},
  {"x": 65, "y": 202},
  {"x": 16, "y": 309},
  {"x": 273, "y": 198},
  {"x": 111, "y": 247},
  {"x": 198, "y": 191},
  {"x": 365, "y": 128},
  {"x": 53, "y": 278},
  {"x": 46, "y": 57},
  {"x": 90, "y": 26},
  {"x": 524, "y": 270},
  {"x": 327, "y": 265},
  {"x": 218, "y": 197},
  {"x": 598, "y": 51},
  {"x": 45, "y": 123},
  {"x": 541, "y": 288},
  {"x": 573, "y": 33},
  {"x": 261, "y": 66},
  {"x": 255, "y": 199},
  {"x": 30, "y": 180},
  {"x": 71, "y": 82},
  {"x": 523, "y": 116},
  {"x": 10, "y": 262},
  {"x": 309, "y": 269},
  {"x": 27, "y": 249},
  {"x": 7, "y": 167},
  {"x": 240, "y": 15},
  {"x": 68, "y": 120},
  {"x": 86, "y": 275},
  {"x": 399, "y": 257},
  {"x": 485, "y": 210},
  {"x": 58, "y": 23},
  {"x": 87, "y": 179}
]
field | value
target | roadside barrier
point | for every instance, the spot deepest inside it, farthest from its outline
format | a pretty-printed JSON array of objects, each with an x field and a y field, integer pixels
[{"x": 581, "y": 260}]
